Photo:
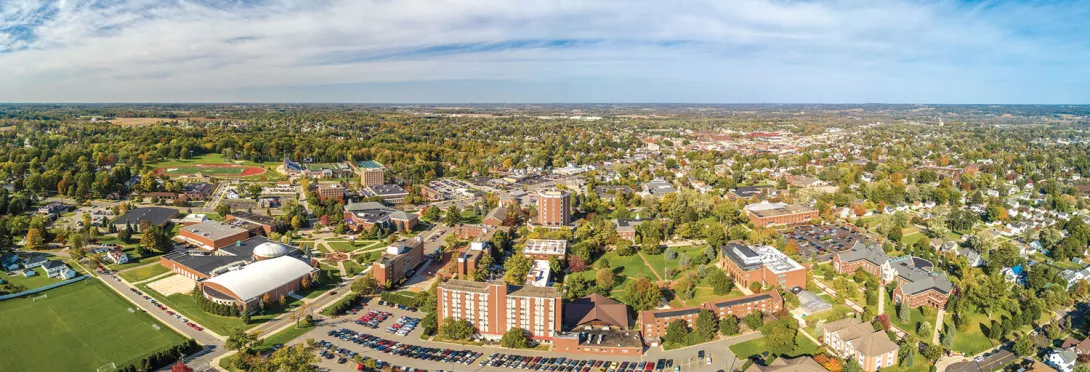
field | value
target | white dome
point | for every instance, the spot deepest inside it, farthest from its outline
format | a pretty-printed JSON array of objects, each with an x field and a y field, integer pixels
[{"x": 270, "y": 250}]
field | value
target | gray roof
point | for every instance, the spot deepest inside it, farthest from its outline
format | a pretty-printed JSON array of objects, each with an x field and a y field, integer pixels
[
  {"x": 155, "y": 215},
  {"x": 624, "y": 225},
  {"x": 863, "y": 251},
  {"x": 214, "y": 230},
  {"x": 230, "y": 255},
  {"x": 919, "y": 277}
]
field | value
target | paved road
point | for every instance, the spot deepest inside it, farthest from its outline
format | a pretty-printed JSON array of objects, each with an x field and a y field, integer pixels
[{"x": 719, "y": 351}]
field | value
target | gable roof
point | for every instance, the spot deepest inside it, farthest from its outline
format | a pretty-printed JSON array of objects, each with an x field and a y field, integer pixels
[
  {"x": 595, "y": 307},
  {"x": 862, "y": 336},
  {"x": 872, "y": 253}
]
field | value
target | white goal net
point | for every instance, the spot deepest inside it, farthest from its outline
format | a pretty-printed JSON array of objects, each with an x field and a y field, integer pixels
[{"x": 42, "y": 297}]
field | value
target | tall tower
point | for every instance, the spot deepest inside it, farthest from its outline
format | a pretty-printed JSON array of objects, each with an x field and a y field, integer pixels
[
  {"x": 371, "y": 173},
  {"x": 554, "y": 207}
]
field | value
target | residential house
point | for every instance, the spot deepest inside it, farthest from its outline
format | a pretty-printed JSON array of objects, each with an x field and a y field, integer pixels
[
  {"x": 117, "y": 255},
  {"x": 34, "y": 261},
  {"x": 1062, "y": 360}
]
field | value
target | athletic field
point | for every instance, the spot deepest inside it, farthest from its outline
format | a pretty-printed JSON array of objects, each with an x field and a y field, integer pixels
[
  {"x": 216, "y": 170},
  {"x": 78, "y": 327}
]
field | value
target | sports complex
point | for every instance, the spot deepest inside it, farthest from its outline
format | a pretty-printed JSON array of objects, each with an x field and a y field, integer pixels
[
  {"x": 215, "y": 170},
  {"x": 82, "y": 326}
]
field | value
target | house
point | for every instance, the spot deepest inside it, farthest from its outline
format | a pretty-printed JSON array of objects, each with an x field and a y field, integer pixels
[
  {"x": 29, "y": 273},
  {"x": 9, "y": 262},
  {"x": 1062, "y": 360},
  {"x": 1012, "y": 274},
  {"x": 34, "y": 261},
  {"x": 54, "y": 268},
  {"x": 117, "y": 255},
  {"x": 971, "y": 256}
]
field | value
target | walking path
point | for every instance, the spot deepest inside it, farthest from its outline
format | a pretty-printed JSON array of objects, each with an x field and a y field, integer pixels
[
  {"x": 938, "y": 326},
  {"x": 648, "y": 263}
]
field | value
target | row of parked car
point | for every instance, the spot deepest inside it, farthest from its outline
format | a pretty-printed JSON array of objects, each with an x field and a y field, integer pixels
[
  {"x": 399, "y": 306},
  {"x": 373, "y": 318},
  {"x": 551, "y": 364},
  {"x": 169, "y": 312},
  {"x": 406, "y": 350},
  {"x": 403, "y": 326}
]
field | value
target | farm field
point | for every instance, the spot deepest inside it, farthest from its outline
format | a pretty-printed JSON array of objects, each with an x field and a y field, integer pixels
[{"x": 78, "y": 327}]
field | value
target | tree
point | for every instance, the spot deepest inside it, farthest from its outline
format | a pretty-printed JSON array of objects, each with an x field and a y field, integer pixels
[
  {"x": 432, "y": 214},
  {"x": 728, "y": 326},
  {"x": 721, "y": 284},
  {"x": 460, "y": 329},
  {"x": 242, "y": 341},
  {"x": 676, "y": 332},
  {"x": 753, "y": 321},
  {"x": 34, "y": 240},
  {"x": 904, "y": 313},
  {"x": 755, "y": 287},
  {"x": 1023, "y": 346},
  {"x": 300, "y": 357},
  {"x": 791, "y": 248},
  {"x": 705, "y": 325},
  {"x": 515, "y": 338},
  {"x": 852, "y": 365},
  {"x": 180, "y": 367},
  {"x": 223, "y": 209},
  {"x": 926, "y": 330},
  {"x": 453, "y": 216},
  {"x": 642, "y": 294},
  {"x": 625, "y": 248},
  {"x": 604, "y": 279},
  {"x": 125, "y": 234},
  {"x": 517, "y": 266},
  {"x": 780, "y": 335},
  {"x": 365, "y": 285}
]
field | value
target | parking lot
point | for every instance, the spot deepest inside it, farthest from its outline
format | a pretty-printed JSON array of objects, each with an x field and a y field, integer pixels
[{"x": 347, "y": 325}]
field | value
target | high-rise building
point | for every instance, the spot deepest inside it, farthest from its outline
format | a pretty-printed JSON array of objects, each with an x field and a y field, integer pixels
[
  {"x": 371, "y": 173},
  {"x": 494, "y": 308},
  {"x": 400, "y": 259},
  {"x": 554, "y": 207}
]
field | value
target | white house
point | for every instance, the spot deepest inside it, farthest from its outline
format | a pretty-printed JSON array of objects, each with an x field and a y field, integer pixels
[
  {"x": 1062, "y": 360},
  {"x": 54, "y": 268},
  {"x": 117, "y": 255},
  {"x": 33, "y": 262}
]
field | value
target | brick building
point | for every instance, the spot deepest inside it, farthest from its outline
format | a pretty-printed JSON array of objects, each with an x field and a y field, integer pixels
[
  {"x": 765, "y": 214},
  {"x": 653, "y": 323},
  {"x": 333, "y": 191},
  {"x": 554, "y": 208},
  {"x": 365, "y": 216},
  {"x": 626, "y": 228},
  {"x": 764, "y": 265},
  {"x": 372, "y": 173},
  {"x": 468, "y": 259},
  {"x": 268, "y": 223},
  {"x": 868, "y": 256},
  {"x": 917, "y": 282},
  {"x": 212, "y": 235},
  {"x": 495, "y": 307},
  {"x": 400, "y": 259}
]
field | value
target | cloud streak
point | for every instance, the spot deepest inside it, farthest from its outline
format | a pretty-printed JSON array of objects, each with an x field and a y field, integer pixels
[{"x": 649, "y": 51}]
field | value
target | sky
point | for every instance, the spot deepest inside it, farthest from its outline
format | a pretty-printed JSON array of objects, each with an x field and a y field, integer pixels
[{"x": 554, "y": 51}]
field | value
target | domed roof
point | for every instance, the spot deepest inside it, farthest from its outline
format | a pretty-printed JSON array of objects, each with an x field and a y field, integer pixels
[{"x": 270, "y": 250}]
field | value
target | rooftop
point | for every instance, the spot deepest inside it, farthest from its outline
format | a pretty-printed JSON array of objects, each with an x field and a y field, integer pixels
[
  {"x": 539, "y": 274},
  {"x": 369, "y": 164},
  {"x": 465, "y": 286},
  {"x": 751, "y": 258},
  {"x": 542, "y": 246},
  {"x": 384, "y": 190},
  {"x": 213, "y": 230},
  {"x": 766, "y": 209},
  {"x": 155, "y": 215}
]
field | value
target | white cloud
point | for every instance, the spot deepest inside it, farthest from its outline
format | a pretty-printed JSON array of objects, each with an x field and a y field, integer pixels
[{"x": 129, "y": 49}]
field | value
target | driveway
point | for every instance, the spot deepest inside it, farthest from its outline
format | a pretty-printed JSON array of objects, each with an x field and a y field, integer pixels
[{"x": 987, "y": 364}]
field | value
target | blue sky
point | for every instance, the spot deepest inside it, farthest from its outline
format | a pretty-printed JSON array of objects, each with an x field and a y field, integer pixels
[{"x": 450, "y": 51}]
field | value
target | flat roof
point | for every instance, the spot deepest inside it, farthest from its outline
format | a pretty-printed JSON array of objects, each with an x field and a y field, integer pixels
[
  {"x": 539, "y": 274},
  {"x": 542, "y": 246},
  {"x": 765, "y": 209},
  {"x": 465, "y": 286},
  {"x": 749, "y": 258},
  {"x": 369, "y": 164},
  {"x": 157, "y": 216},
  {"x": 214, "y": 230}
]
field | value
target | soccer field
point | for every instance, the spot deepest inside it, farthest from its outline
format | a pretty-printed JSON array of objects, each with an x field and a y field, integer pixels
[{"x": 78, "y": 327}]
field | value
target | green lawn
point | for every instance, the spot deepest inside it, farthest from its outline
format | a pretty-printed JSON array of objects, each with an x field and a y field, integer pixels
[
  {"x": 837, "y": 309},
  {"x": 705, "y": 294},
  {"x": 912, "y": 238},
  {"x": 914, "y": 320},
  {"x": 143, "y": 272},
  {"x": 468, "y": 217},
  {"x": 334, "y": 275},
  {"x": 352, "y": 268},
  {"x": 803, "y": 346},
  {"x": 347, "y": 246},
  {"x": 187, "y": 306},
  {"x": 79, "y": 327},
  {"x": 35, "y": 281},
  {"x": 659, "y": 262},
  {"x": 629, "y": 267},
  {"x": 270, "y": 167}
]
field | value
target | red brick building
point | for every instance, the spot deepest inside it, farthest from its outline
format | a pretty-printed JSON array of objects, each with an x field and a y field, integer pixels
[
  {"x": 212, "y": 235},
  {"x": 765, "y": 214},
  {"x": 468, "y": 259},
  {"x": 398, "y": 261},
  {"x": 328, "y": 191},
  {"x": 765, "y": 265},
  {"x": 554, "y": 208},
  {"x": 494, "y": 308},
  {"x": 653, "y": 323}
]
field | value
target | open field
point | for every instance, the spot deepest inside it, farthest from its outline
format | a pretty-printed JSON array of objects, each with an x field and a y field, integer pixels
[
  {"x": 143, "y": 272},
  {"x": 78, "y": 327},
  {"x": 803, "y": 346}
]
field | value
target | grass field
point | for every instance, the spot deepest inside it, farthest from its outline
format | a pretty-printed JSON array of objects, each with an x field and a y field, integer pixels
[
  {"x": 79, "y": 327},
  {"x": 659, "y": 262},
  {"x": 630, "y": 267},
  {"x": 189, "y": 166},
  {"x": 143, "y": 273},
  {"x": 914, "y": 320},
  {"x": 705, "y": 294},
  {"x": 347, "y": 246},
  {"x": 803, "y": 346}
]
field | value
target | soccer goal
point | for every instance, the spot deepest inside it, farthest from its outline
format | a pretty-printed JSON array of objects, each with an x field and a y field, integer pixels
[
  {"x": 42, "y": 297},
  {"x": 107, "y": 368}
]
